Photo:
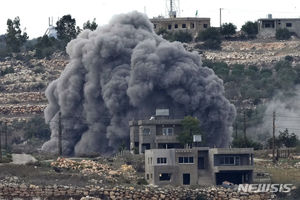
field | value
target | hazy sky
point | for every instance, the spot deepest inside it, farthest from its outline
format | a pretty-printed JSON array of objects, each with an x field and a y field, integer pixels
[{"x": 34, "y": 13}]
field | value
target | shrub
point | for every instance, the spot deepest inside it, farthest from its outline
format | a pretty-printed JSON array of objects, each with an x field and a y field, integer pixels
[
  {"x": 283, "y": 34},
  {"x": 37, "y": 128},
  {"x": 211, "y": 38},
  {"x": 212, "y": 44},
  {"x": 210, "y": 33},
  {"x": 8, "y": 70},
  {"x": 241, "y": 142},
  {"x": 282, "y": 65},
  {"x": 250, "y": 28},
  {"x": 237, "y": 72},
  {"x": 142, "y": 181},
  {"x": 228, "y": 29},
  {"x": 266, "y": 73},
  {"x": 288, "y": 58},
  {"x": 39, "y": 69},
  {"x": 221, "y": 69},
  {"x": 252, "y": 72},
  {"x": 182, "y": 36},
  {"x": 162, "y": 31},
  {"x": 46, "y": 46}
]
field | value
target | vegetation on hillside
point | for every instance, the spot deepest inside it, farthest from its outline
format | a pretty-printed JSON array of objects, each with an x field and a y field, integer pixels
[
  {"x": 228, "y": 29},
  {"x": 211, "y": 38},
  {"x": 283, "y": 34},
  {"x": 254, "y": 84},
  {"x": 250, "y": 28}
]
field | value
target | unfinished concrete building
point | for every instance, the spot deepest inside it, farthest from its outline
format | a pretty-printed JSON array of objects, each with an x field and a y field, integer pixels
[
  {"x": 191, "y": 24},
  {"x": 199, "y": 166},
  {"x": 267, "y": 27},
  {"x": 174, "y": 23},
  {"x": 158, "y": 132}
]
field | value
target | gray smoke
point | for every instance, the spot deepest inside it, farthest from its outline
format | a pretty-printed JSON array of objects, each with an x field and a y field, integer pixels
[
  {"x": 124, "y": 71},
  {"x": 287, "y": 108}
]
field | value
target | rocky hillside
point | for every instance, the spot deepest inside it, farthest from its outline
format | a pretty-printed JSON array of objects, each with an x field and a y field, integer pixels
[
  {"x": 255, "y": 52},
  {"x": 23, "y": 78}
]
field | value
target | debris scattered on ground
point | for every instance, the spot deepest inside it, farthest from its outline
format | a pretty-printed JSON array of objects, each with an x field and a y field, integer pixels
[{"x": 88, "y": 167}]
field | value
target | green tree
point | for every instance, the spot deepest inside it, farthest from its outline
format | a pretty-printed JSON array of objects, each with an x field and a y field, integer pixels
[
  {"x": 283, "y": 34},
  {"x": 90, "y": 25},
  {"x": 228, "y": 29},
  {"x": 14, "y": 37},
  {"x": 237, "y": 72},
  {"x": 162, "y": 31},
  {"x": 66, "y": 28},
  {"x": 286, "y": 78},
  {"x": 211, "y": 38},
  {"x": 241, "y": 142},
  {"x": 252, "y": 72},
  {"x": 287, "y": 139},
  {"x": 190, "y": 127},
  {"x": 46, "y": 46},
  {"x": 221, "y": 69},
  {"x": 37, "y": 128},
  {"x": 182, "y": 36},
  {"x": 250, "y": 28}
]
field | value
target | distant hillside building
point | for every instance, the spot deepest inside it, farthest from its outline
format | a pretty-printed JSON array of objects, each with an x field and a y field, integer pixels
[
  {"x": 267, "y": 27},
  {"x": 199, "y": 166},
  {"x": 192, "y": 24}
]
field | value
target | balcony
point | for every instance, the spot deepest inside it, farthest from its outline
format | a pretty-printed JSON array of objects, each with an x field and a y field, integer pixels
[
  {"x": 233, "y": 168},
  {"x": 166, "y": 139}
]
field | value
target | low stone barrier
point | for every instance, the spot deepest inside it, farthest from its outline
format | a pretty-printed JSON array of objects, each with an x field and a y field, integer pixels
[{"x": 10, "y": 191}]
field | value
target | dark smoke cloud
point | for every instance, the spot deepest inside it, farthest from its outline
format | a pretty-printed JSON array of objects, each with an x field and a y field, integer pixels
[{"x": 124, "y": 71}]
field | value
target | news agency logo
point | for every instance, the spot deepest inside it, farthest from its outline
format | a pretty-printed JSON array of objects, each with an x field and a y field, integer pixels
[{"x": 259, "y": 188}]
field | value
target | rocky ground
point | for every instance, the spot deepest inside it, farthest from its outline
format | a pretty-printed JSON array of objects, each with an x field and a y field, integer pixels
[
  {"x": 23, "y": 80},
  {"x": 100, "y": 178},
  {"x": 254, "y": 52},
  {"x": 22, "y": 85}
]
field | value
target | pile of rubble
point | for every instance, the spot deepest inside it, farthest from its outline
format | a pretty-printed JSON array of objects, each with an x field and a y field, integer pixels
[{"x": 89, "y": 167}]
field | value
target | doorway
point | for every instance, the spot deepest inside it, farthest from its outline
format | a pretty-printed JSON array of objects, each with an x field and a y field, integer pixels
[{"x": 186, "y": 179}]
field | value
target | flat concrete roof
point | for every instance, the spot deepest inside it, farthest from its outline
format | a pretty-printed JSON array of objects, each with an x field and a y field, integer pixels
[
  {"x": 267, "y": 19},
  {"x": 232, "y": 150},
  {"x": 179, "y": 19},
  {"x": 155, "y": 122},
  {"x": 214, "y": 150}
]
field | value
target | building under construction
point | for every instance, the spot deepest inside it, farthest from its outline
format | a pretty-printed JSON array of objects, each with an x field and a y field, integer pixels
[{"x": 174, "y": 23}]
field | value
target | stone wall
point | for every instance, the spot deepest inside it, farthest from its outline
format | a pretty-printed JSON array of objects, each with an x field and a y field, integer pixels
[{"x": 23, "y": 191}]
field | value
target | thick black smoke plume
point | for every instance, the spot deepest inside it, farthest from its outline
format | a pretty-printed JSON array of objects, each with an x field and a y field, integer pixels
[{"x": 124, "y": 71}]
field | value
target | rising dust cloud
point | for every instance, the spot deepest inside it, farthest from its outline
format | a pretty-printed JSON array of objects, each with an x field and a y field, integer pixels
[{"x": 124, "y": 71}]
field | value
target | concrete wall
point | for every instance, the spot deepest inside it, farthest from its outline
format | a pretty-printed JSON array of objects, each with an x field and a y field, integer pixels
[
  {"x": 193, "y": 25},
  {"x": 206, "y": 176},
  {"x": 156, "y": 133},
  {"x": 155, "y": 168},
  {"x": 278, "y": 24},
  {"x": 187, "y": 168}
]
